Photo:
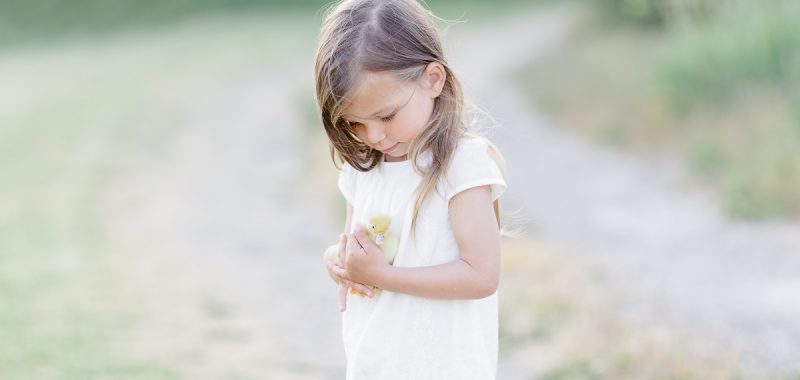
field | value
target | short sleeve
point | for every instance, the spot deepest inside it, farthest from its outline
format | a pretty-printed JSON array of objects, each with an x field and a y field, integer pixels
[
  {"x": 346, "y": 182},
  {"x": 473, "y": 165}
]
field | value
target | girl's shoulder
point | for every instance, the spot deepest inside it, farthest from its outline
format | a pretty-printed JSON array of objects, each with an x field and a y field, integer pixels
[
  {"x": 475, "y": 161},
  {"x": 474, "y": 149}
]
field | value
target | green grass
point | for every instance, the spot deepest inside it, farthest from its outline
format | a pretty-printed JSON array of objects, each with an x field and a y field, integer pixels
[
  {"x": 45, "y": 21},
  {"x": 40, "y": 21},
  {"x": 722, "y": 94},
  {"x": 77, "y": 117},
  {"x": 743, "y": 46},
  {"x": 746, "y": 61}
]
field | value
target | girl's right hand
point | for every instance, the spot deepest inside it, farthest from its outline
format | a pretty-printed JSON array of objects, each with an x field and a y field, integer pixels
[{"x": 335, "y": 258}]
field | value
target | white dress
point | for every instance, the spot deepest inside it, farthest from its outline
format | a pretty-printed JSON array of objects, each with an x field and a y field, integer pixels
[{"x": 400, "y": 336}]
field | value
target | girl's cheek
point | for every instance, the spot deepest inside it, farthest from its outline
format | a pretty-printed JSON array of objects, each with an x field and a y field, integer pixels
[{"x": 361, "y": 135}]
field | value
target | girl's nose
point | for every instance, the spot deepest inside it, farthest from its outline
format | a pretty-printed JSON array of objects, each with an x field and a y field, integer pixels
[{"x": 375, "y": 134}]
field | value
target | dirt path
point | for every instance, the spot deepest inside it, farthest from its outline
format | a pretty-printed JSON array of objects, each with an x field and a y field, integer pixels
[
  {"x": 733, "y": 283},
  {"x": 223, "y": 203}
]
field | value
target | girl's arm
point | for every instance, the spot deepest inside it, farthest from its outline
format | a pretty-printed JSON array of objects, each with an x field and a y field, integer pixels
[{"x": 474, "y": 275}]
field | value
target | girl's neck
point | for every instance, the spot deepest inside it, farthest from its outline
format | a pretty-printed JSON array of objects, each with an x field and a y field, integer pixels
[{"x": 387, "y": 158}]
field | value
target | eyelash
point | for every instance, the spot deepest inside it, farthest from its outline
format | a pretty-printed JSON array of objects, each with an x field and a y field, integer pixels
[{"x": 383, "y": 119}]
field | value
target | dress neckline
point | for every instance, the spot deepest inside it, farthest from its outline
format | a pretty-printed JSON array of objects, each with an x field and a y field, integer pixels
[{"x": 393, "y": 166}]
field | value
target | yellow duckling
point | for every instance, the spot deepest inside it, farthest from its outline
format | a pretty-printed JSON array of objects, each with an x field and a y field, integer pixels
[{"x": 378, "y": 231}]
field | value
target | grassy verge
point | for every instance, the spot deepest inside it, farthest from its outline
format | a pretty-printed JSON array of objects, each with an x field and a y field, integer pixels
[
  {"x": 74, "y": 117},
  {"x": 47, "y": 21},
  {"x": 560, "y": 320},
  {"x": 721, "y": 94}
]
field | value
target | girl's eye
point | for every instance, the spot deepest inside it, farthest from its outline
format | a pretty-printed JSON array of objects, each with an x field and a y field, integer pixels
[{"x": 388, "y": 118}]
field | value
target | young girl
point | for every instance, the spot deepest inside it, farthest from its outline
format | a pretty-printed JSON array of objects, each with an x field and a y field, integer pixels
[{"x": 394, "y": 114}]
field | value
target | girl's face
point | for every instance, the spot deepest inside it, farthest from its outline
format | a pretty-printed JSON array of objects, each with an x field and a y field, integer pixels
[{"x": 388, "y": 113}]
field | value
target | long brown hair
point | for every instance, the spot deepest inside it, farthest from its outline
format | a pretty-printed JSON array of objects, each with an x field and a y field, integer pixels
[{"x": 397, "y": 36}]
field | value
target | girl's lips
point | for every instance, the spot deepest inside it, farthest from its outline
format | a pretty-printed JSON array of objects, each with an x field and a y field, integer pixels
[{"x": 391, "y": 148}]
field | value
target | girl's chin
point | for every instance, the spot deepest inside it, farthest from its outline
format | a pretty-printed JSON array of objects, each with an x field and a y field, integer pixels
[{"x": 398, "y": 152}]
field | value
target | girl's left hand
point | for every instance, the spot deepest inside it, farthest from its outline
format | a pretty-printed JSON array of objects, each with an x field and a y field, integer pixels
[{"x": 364, "y": 261}]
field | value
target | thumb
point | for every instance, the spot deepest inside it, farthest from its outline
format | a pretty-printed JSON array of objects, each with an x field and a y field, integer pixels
[{"x": 364, "y": 240}]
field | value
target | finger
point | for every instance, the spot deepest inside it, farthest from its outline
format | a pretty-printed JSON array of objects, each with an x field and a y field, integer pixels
[
  {"x": 361, "y": 288},
  {"x": 333, "y": 276},
  {"x": 342, "y": 247},
  {"x": 364, "y": 289},
  {"x": 339, "y": 271},
  {"x": 330, "y": 265},
  {"x": 342, "y": 297},
  {"x": 353, "y": 245},
  {"x": 363, "y": 239}
]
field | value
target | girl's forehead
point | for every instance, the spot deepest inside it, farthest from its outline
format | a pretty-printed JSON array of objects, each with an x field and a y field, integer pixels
[{"x": 374, "y": 92}]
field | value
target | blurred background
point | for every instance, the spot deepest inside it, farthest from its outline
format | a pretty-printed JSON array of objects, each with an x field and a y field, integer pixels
[{"x": 166, "y": 190}]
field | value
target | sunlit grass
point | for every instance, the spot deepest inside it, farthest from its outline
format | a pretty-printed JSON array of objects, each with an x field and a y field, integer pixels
[
  {"x": 560, "y": 319},
  {"x": 41, "y": 22},
  {"x": 75, "y": 114}
]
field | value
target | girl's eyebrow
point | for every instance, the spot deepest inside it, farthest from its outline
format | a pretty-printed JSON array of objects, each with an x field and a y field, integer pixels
[
  {"x": 390, "y": 107},
  {"x": 382, "y": 111}
]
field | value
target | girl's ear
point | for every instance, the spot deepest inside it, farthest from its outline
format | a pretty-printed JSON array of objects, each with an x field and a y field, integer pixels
[{"x": 433, "y": 78}]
